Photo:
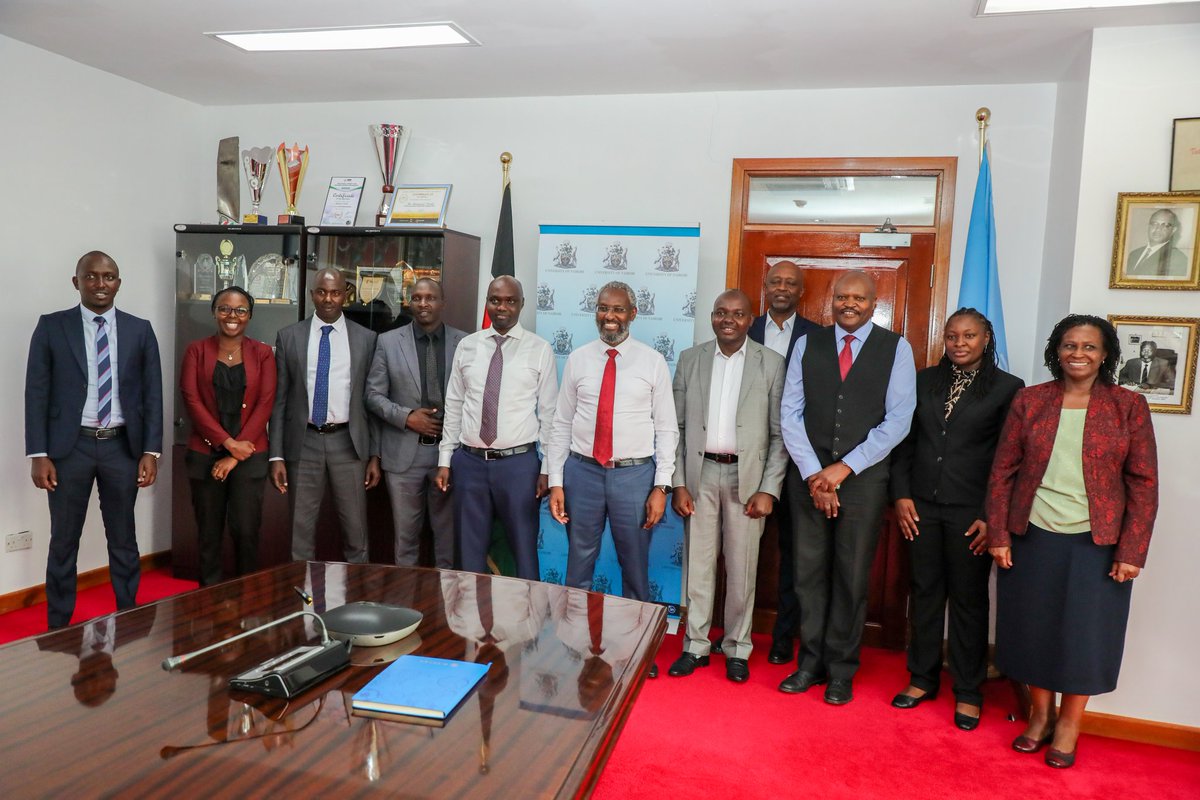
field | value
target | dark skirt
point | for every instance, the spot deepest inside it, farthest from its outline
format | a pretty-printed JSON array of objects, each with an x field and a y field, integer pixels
[{"x": 1060, "y": 620}]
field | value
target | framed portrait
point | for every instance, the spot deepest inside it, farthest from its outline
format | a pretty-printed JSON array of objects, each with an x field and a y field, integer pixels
[
  {"x": 1157, "y": 241},
  {"x": 1185, "y": 155},
  {"x": 1158, "y": 360}
]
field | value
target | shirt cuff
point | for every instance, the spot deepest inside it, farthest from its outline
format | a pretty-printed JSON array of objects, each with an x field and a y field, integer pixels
[{"x": 36, "y": 455}]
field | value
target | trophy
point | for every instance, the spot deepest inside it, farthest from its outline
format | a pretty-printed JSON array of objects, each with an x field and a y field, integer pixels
[
  {"x": 390, "y": 144},
  {"x": 228, "y": 196},
  {"x": 293, "y": 163},
  {"x": 256, "y": 161},
  {"x": 230, "y": 269}
]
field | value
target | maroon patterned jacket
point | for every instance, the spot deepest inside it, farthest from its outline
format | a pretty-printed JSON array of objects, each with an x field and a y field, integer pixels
[{"x": 1120, "y": 466}]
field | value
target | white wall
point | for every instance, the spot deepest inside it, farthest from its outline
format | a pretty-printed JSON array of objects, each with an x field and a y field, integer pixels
[{"x": 1141, "y": 79}]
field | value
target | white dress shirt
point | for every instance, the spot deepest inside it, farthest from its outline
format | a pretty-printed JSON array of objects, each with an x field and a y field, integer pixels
[
  {"x": 644, "y": 421},
  {"x": 528, "y": 389},
  {"x": 778, "y": 338},
  {"x": 91, "y": 408},
  {"x": 339, "y": 368},
  {"x": 726, "y": 384}
]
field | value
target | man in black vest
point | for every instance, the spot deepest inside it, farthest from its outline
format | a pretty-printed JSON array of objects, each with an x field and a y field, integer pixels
[{"x": 848, "y": 401}]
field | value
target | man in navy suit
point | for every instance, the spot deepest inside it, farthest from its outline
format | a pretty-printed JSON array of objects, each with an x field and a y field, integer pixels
[
  {"x": 779, "y": 329},
  {"x": 93, "y": 414}
]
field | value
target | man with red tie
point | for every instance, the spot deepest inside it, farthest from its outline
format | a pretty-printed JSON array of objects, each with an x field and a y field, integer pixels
[{"x": 612, "y": 451}]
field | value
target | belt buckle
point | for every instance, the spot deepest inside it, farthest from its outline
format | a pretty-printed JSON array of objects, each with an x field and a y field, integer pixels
[
  {"x": 490, "y": 454},
  {"x": 428, "y": 440}
]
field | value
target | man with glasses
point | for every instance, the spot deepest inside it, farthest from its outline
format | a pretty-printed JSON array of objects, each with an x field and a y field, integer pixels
[
  {"x": 321, "y": 433},
  {"x": 1160, "y": 257}
]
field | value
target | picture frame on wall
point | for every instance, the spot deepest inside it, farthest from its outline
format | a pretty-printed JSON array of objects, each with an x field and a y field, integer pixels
[
  {"x": 1185, "y": 155},
  {"x": 1156, "y": 244},
  {"x": 1158, "y": 359}
]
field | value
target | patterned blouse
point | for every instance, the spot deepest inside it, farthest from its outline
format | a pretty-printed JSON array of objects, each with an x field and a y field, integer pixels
[{"x": 962, "y": 380}]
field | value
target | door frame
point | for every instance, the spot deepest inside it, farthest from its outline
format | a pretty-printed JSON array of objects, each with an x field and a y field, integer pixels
[{"x": 945, "y": 169}]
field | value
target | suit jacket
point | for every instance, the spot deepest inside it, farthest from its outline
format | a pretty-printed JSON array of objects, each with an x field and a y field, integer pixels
[
  {"x": 394, "y": 390},
  {"x": 758, "y": 331},
  {"x": 762, "y": 461},
  {"x": 56, "y": 384},
  {"x": 1170, "y": 261},
  {"x": 1161, "y": 376},
  {"x": 290, "y": 416},
  {"x": 948, "y": 460},
  {"x": 1120, "y": 466},
  {"x": 196, "y": 384}
]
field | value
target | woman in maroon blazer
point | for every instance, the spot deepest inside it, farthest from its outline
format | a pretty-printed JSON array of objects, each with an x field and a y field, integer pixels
[
  {"x": 228, "y": 386},
  {"x": 1071, "y": 504}
]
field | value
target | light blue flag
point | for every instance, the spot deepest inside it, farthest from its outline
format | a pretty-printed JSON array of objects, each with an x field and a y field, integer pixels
[{"x": 980, "y": 287}]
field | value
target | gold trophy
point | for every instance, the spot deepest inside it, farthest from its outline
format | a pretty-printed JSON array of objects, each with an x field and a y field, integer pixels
[
  {"x": 293, "y": 163},
  {"x": 256, "y": 161}
]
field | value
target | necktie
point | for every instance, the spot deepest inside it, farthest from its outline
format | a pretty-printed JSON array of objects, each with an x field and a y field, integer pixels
[
  {"x": 1145, "y": 373},
  {"x": 320, "y": 411},
  {"x": 433, "y": 381},
  {"x": 491, "y": 393},
  {"x": 483, "y": 600},
  {"x": 103, "y": 375},
  {"x": 602, "y": 443},
  {"x": 846, "y": 357}
]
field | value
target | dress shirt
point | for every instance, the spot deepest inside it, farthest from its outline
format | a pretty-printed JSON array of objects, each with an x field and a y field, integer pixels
[
  {"x": 721, "y": 431},
  {"x": 90, "y": 405},
  {"x": 644, "y": 420},
  {"x": 778, "y": 338},
  {"x": 899, "y": 404},
  {"x": 339, "y": 368},
  {"x": 525, "y": 412}
]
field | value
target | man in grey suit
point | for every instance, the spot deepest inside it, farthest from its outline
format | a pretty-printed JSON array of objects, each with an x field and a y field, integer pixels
[
  {"x": 405, "y": 389},
  {"x": 729, "y": 470},
  {"x": 320, "y": 430}
]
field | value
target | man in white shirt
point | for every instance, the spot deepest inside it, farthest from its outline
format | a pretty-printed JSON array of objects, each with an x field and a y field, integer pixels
[
  {"x": 499, "y": 408},
  {"x": 612, "y": 452}
]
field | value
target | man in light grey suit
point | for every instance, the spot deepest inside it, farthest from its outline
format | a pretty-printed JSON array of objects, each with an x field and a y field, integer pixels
[
  {"x": 729, "y": 470},
  {"x": 405, "y": 389},
  {"x": 321, "y": 432}
]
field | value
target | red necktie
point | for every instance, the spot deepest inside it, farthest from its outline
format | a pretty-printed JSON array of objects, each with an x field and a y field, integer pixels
[
  {"x": 846, "y": 358},
  {"x": 602, "y": 443}
]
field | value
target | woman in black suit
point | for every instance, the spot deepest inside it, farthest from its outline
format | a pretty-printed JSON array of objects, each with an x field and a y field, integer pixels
[{"x": 939, "y": 486}]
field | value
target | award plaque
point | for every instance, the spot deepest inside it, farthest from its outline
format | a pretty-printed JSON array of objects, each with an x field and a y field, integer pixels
[
  {"x": 268, "y": 279},
  {"x": 255, "y": 162},
  {"x": 420, "y": 205},
  {"x": 370, "y": 282},
  {"x": 228, "y": 191},
  {"x": 231, "y": 269},
  {"x": 204, "y": 277},
  {"x": 293, "y": 163},
  {"x": 390, "y": 143}
]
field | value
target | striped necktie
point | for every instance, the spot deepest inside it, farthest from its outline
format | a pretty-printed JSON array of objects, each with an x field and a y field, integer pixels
[{"x": 103, "y": 375}]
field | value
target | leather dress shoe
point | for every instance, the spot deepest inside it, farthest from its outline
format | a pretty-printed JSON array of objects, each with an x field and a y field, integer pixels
[
  {"x": 965, "y": 722},
  {"x": 903, "y": 700},
  {"x": 1027, "y": 744},
  {"x": 800, "y": 681},
  {"x": 653, "y": 671},
  {"x": 1060, "y": 760},
  {"x": 839, "y": 691},
  {"x": 737, "y": 670},
  {"x": 686, "y": 664},
  {"x": 781, "y": 652}
]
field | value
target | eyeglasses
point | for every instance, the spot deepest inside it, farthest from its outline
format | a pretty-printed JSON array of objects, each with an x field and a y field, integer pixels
[
  {"x": 241, "y": 312},
  {"x": 739, "y": 315}
]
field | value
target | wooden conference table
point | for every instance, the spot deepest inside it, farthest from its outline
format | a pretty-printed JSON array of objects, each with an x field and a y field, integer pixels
[{"x": 89, "y": 712}]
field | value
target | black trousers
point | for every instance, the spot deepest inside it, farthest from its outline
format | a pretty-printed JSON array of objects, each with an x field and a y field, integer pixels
[
  {"x": 236, "y": 500},
  {"x": 943, "y": 568},
  {"x": 787, "y": 613}
]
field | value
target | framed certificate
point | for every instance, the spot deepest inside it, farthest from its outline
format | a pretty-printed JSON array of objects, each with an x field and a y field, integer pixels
[
  {"x": 420, "y": 205},
  {"x": 341, "y": 201}
]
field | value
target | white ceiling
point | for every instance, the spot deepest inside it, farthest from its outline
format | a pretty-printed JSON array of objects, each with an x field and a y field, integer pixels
[{"x": 566, "y": 47}]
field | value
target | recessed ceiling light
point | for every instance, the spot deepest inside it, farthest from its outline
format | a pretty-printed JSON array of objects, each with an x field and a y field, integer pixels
[
  {"x": 994, "y": 7},
  {"x": 380, "y": 37}
]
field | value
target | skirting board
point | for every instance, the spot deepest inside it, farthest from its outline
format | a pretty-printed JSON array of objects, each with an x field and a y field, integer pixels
[{"x": 24, "y": 598}]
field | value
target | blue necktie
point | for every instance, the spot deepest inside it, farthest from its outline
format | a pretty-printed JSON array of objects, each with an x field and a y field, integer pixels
[
  {"x": 103, "y": 375},
  {"x": 321, "y": 389}
]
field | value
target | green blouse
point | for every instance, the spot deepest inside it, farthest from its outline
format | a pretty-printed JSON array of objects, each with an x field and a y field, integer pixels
[{"x": 1060, "y": 503}]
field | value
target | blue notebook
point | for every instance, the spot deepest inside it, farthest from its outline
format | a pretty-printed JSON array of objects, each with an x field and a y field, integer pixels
[{"x": 419, "y": 686}]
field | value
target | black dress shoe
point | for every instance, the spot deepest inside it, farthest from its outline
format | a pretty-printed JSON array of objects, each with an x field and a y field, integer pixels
[
  {"x": 737, "y": 670},
  {"x": 965, "y": 722},
  {"x": 653, "y": 671},
  {"x": 686, "y": 664},
  {"x": 780, "y": 652},
  {"x": 800, "y": 681},
  {"x": 839, "y": 691},
  {"x": 903, "y": 700}
]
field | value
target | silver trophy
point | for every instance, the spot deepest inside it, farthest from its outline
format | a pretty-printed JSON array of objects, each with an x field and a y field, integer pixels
[
  {"x": 390, "y": 144},
  {"x": 255, "y": 161}
]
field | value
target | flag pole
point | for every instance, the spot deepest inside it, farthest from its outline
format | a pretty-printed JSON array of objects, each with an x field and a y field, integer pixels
[
  {"x": 505, "y": 159},
  {"x": 982, "y": 115}
]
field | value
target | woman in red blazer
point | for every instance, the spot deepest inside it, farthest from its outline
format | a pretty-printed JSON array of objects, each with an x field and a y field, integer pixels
[
  {"x": 228, "y": 386},
  {"x": 1071, "y": 504}
]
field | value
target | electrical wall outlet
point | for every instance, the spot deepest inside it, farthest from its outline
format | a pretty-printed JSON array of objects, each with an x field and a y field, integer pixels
[{"x": 18, "y": 541}]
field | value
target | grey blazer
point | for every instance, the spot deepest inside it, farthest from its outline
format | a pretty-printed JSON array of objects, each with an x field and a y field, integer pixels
[
  {"x": 394, "y": 390},
  {"x": 290, "y": 416},
  {"x": 762, "y": 460}
]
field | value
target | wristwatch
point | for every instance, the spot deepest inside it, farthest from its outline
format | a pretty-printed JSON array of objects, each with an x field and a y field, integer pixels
[{"x": 662, "y": 487}]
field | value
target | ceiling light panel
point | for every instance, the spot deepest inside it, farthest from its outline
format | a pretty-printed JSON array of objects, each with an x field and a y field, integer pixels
[{"x": 381, "y": 37}]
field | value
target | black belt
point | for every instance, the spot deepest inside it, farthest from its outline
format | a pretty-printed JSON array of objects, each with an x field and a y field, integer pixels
[
  {"x": 328, "y": 427},
  {"x": 494, "y": 455},
  {"x": 423, "y": 439},
  {"x": 101, "y": 433},
  {"x": 722, "y": 458},
  {"x": 613, "y": 463}
]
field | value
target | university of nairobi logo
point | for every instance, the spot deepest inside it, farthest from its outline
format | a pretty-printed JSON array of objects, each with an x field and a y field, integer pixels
[
  {"x": 545, "y": 297},
  {"x": 668, "y": 258},
  {"x": 562, "y": 342},
  {"x": 588, "y": 302},
  {"x": 564, "y": 256},
  {"x": 645, "y": 301},
  {"x": 665, "y": 345},
  {"x": 689, "y": 305},
  {"x": 615, "y": 257}
]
